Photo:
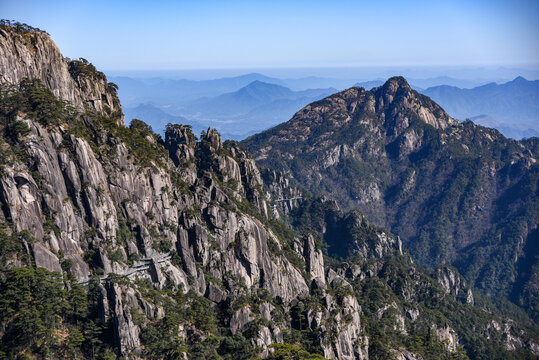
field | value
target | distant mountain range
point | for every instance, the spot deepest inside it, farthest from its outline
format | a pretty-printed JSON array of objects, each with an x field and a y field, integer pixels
[
  {"x": 243, "y": 105},
  {"x": 514, "y": 131},
  {"x": 253, "y": 108},
  {"x": 254, "y": 95},
  {"x": 421, "y": 84},
  {"x": 512, "y": 108},
  {"x": 164, "y": 91}
]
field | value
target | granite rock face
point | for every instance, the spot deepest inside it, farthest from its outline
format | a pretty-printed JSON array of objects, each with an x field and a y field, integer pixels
[
  {"x": 149, "y": 224},
  {"x": 34, "y": 55},
  {"x": 92, "y": 194}
]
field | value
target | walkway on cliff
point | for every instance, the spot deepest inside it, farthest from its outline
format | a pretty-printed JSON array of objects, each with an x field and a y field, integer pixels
[{"x": 139, "y": 266}]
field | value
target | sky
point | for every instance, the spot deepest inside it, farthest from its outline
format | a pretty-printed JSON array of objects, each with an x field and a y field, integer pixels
[{"x": 158, "y": 35}]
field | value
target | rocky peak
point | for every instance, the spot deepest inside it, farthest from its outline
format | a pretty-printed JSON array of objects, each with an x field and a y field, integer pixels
[
  {"x": 394, "y": 85},
  {"x": 396, "y": 155},
  {"x": 213, "y": 138},
  {"x": 400, "y": 105},
  {"x": 180, "y": 142},
  {"x": 453, "y": 283},
  {"x": 179, "y": 134},
  {"x": 33, "y": 55}
]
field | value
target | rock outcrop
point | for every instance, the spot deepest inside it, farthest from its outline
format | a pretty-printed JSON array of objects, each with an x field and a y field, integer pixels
[{"x": 34, "y": 55}]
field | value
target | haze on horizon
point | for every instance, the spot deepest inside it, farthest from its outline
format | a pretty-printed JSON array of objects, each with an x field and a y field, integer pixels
[{"x": 164, "y": 35}]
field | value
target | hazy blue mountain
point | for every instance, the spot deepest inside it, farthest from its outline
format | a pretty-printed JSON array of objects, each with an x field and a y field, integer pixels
[
  {"x": 164, "y": 91},
  {"x": 263, "y": 117},
  {"x": 250, "y": 97},
  {"x": 445, "y": 80},
  {"x": 255, "y": 94},
  {"x": 238, "y": 114},
  {"x": 252, "y": 108},
  {"x": 514, "y": 104},
  {"x": 421, "y": 84},
  {"x": 514, "y": 131}
]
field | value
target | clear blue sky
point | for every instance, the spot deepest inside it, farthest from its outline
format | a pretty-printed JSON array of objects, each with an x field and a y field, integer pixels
[{"x": 242, "y": 34}]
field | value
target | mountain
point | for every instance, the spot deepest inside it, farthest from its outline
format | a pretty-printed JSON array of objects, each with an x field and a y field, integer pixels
[
  {"x": 254, "y": 94},
  {"x": 455, "y": 192},
  {"x": 421, "y": 84},
  {"x": 514, "y": 131},
  {"x": 161, "y": 91},
  {"x": 251, "y": 109},
  {"x": 115, "y": 243},
  {"x": 515, "y": 104},
  {"x": 444, "y": 80},
  {"x": 249, "y": 97}
]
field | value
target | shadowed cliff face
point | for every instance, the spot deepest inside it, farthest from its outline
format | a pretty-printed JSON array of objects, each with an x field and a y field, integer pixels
[
  {"x": 183, "y": 248},
  {"x": 453, "y": 191}
]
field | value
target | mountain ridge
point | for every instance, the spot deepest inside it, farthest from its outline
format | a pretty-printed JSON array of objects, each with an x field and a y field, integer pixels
[
  {"x": 513, "y": 103},
  {"x": 396, "y": 155},
  {"x": 254, "y": 94}
]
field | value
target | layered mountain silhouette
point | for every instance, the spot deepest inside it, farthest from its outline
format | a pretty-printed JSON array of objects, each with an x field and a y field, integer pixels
[
  {"x": 164, "y": 90},
  {"x": 513, "y": 106},
  {"x": 250, "y": 97},
  {"x": 251, "y": 108}
]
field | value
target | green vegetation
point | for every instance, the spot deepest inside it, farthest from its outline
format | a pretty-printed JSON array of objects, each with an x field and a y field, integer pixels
[
  {"x": 12, "y": 248},
  {"x": 291, "y": 352},
  {"x": 83, "y": 68},
  {"x": 399, "y": 285},
  {"x": 37, "y": 311},
  {"x": 20, "y": 28},
  {"x": 31, "y": 98},
  {"x": 49, "y": 315},
  {"x": 212, "y": 337},
  {"x": 140, "y": 140}
]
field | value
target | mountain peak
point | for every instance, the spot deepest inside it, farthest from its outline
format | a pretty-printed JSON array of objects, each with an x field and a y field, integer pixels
[
  {"x": 399, "y": 80},
  {"x": 258, "y": 83},
  {"x": 259, "y": 88},
  {"x": 393, "y": 84},
  {"x": 397, "y": 94},
  {"x": 519, "y": 79}
]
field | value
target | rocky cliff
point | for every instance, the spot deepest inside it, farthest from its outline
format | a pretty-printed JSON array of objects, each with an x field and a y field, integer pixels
[
  {"x": 115, "y": 242},
  {"x": 454, "y": 192},
  {"x": 32, "y": 54}
]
